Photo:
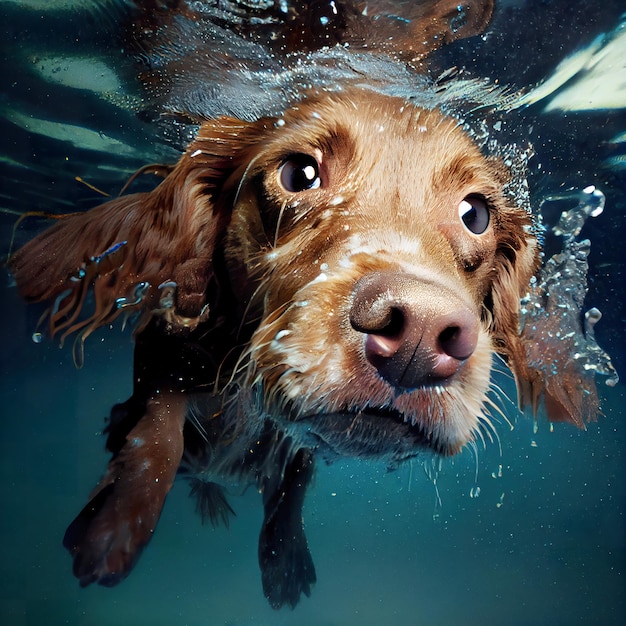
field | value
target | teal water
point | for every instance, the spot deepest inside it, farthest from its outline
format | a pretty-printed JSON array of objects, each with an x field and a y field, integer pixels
[{"x": 531, "y": 534}]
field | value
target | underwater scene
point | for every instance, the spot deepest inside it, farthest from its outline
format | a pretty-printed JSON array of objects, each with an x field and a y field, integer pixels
[{"x": 314, "y": 312}]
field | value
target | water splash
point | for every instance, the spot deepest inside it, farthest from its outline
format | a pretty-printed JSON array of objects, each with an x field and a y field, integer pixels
[
  {"x": 565, "y": 277},
  {"x": 562, "y": 354},
  {"x": 591, "y": 203}
]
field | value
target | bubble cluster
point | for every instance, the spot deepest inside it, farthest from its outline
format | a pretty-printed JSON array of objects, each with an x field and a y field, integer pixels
[{"x": 552, "y": 311}]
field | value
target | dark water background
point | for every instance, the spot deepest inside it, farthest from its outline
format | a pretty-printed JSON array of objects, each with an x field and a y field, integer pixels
[{"x": 543, "y": 543}]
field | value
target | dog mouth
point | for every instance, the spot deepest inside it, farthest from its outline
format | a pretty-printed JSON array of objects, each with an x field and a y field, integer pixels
[{"x": 373, "y": 432}]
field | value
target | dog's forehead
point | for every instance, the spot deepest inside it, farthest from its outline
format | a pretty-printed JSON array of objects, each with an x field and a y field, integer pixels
[{"x": 386, "y": 131}]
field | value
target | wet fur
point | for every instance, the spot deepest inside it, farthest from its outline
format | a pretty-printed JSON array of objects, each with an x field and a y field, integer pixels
[{"x": 247, "y": 365}]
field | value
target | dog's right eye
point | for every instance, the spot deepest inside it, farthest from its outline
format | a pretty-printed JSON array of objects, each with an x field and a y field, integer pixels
[
  {"x": 298, "y": 173},
  {"x": 474, "y": 213}
]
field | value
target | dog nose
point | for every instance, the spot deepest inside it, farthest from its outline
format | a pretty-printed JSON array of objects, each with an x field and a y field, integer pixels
[{"x": 417, "y": 332}]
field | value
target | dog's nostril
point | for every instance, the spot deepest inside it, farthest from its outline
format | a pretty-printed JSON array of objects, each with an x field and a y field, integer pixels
[
  {"x": 377, "y": 315},
  {"x": 373, "y": 312},
  {"x": 385, "y": 320},
  {"x": 459, "y": 335},
  {"x": 395, "y": 324},
  {"x": 457, "y": 342},
  {"x": 384, "y": 334}
]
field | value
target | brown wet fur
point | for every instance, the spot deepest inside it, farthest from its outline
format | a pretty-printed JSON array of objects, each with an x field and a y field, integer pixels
[{"x": 247, "y": 314}]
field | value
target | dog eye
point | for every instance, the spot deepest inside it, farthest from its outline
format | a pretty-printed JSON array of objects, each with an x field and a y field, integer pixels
[
  {"x": 474, "y": 213},
  {"x": 299, "y": 173}
]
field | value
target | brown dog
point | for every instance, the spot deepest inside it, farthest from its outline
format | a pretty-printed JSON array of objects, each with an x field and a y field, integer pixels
[{"x": 333, "y": 281}]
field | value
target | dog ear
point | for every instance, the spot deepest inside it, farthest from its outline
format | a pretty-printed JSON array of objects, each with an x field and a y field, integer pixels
[
  {"x": 549, "y": 376},
  {"x": 557, "y": 357},
  {"x": 517, "y": 259},
  {"x": 543, "y": 346},
  {"x": 149, "y": 254}
]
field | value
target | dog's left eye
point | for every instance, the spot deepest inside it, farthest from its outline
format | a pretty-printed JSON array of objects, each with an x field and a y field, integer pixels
[
  {"x": 474, "y": 213},
  {"x": 299, "y": 172}
]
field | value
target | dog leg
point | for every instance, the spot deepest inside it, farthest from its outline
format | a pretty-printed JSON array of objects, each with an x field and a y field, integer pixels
[
  {"x": 286, "y": 565},
  {"x": 108, "y": 535}
]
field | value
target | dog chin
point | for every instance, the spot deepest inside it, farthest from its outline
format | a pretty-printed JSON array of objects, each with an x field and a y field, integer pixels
[
  {"x": 370, "y": 434},
  {"x": 425, "y": 420}
]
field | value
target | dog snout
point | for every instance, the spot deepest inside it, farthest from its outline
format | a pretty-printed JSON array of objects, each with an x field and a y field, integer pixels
[{"x": 416, "y": 332}]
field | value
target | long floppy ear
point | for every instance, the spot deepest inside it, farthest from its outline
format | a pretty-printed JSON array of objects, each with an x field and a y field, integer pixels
[
  {"x": 557, "y": 357},
  {"x": 146, "y": 253},
  {"x": 517, "y": 260},
  {"x": 553, "y": 359}
]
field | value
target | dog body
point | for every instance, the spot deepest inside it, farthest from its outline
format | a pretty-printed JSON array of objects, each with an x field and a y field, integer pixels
[{"x": 334, "y": 281}]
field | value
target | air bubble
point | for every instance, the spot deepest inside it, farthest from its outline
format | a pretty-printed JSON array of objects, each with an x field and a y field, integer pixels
[
  {"x": 559, "y": 294},
  {"x": 497, "y": 474},
  {"x": 459, "y": 21}
]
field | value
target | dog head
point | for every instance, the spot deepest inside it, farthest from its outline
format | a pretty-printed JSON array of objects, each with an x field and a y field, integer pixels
[
  {"x": 363, "y": 247},
  {"x": 376, "y": 247}
]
